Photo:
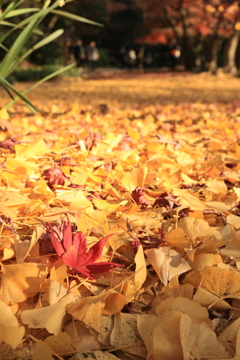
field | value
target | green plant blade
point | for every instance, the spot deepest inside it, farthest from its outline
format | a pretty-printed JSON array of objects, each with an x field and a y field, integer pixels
[
  {"x": 48, "y": 77},
  {"x": 19, "y": 94},
  {"x": 41, "y": 43},
  {"x": 75, "y": 17},
  {"x": 48, "y": 39},
  {"x": 12, "y": 25},
  {"x": 15, "y": 49},
  {"x": 7, "y": 90},
  {"x": 32, "y": 22},
  {"x": 3, "y": 47},
  {"x": 19, "y": 12},
  {"x": 13, "y": 5},
  {"x": 6, "y": 11},
  {"x": 17, "y": 46}
]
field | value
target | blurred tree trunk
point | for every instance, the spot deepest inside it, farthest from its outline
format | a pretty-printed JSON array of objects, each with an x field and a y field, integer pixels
[
  {"x": 183, "y": 39},
  {"x": 230, "y": 54},
  {"x": 51, "y": 24},
  {"x": 141, "y": 59},
  {"x": 215, "y": 48}
]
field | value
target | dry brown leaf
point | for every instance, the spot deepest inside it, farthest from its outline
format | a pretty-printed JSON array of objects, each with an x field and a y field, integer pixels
[
  {"x": 177, "y": 239},
  {"x": 232, "y": 246},
  {"x": 42, "y": 351},
  {"x": 10, "y": 331},
  {"x": 12, "y": 198},
  {"x": 94, "y": 355},
  {"x": 90, "y": 310},
  {"x": 56, "y": 292},
  {"x": 49, "y": 317},
  {"x": 207, "y": 299},
  {"x": 135, "y": 178},
  {"x": 215, "y": 280},
  {"x": 203, "y": 260},
  {"x": 167, "y": 263},
  {"x": 82, "y": 338},
  {"x": 12, "y": 335},
  {"x": 188, "y": 199},
  {"x": 146, "y": 325},
  {"x": 60, "y": 343},
  {"x": 124, "y": 333},
  {"x": 199, "y": 340},
  {"x": 165, "y": 340},
  {"x": 113, "y": 302},
  {"x": 23, "y": 248},
  {"x": 141, "y": 270},
  {"x": 193, "y": 227},
  {"x": 180, "y": 290},
  {"x": 197, "y": 312},
  {"x": 7, "y": 316},
  {"x": 21, "y": 281},
  {"x": 228, "y": 336}
]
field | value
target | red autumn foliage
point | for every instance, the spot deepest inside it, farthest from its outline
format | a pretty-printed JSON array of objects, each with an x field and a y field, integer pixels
[
  {"x": 54, "y": 176},
  {"x": 138, "y": 196},
  {"x": 149, "y": 242},
  {"x": 72, "y": 248},
  {"x": 7, "y": 143},
  {"x": 166, "y": 200}
]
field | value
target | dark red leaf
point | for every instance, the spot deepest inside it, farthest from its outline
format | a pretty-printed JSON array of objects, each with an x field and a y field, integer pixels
[
  {"x": 166, "y": 200},
  {"x": 72, "y": 249},
  {"x": 139, "y": 198},
  {"x": 54, "y": 176}
]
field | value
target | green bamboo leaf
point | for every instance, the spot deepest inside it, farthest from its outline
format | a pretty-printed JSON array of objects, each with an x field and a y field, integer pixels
[
  {"x": 39, "y": 83},
  {"x": 15, "y": 49},
  {"x": 6, "y": 11},
  {"x": 12, "y": 25},
  {"x": 4, "y": 47},
  {"x": 10, "y": 7},
  {"x": 7, "y": 90},
  {"x": 18, "y": 12},
  {"x": 39, "y": 16},
  {"x": 48, "y": 39},
  {"x": 75, "y": 17},
  {"x": 17, "y": 46},
  {"x": 41, "y": 43},
  {"x": 28, "y": 27},
  {"x": 48, "y": 77},
  {"x": 20, "y": 95}
]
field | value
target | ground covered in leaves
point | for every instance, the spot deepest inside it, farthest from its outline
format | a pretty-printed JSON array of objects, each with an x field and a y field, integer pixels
[{"x": 120, "y": 220}]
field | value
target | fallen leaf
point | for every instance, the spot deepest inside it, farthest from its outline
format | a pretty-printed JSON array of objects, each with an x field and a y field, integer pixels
[
  {"x": 199, "y": 340},
  {"x": 59, "y": 343},
  {"x": 167, "y": 263},
  {"x": 215, "y": 280},
  {"x": 49, "y": 317},
  {"x": 21, "y": 281},
  {"x": 42, "y": 351},
  {"x": 72, "y": 249}
]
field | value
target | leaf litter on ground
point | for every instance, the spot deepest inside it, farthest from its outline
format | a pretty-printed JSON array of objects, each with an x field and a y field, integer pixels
[{"x": 120, "y": 228}]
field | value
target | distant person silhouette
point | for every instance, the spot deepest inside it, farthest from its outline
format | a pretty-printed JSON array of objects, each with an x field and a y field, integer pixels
[
  {"x": 130, "y": 58},
  {"x": 92, "y": 55},
  {"x": 175, "y": 53},
  {"x": 79, "y": 55},
  {"x": 68, "y": 52}
]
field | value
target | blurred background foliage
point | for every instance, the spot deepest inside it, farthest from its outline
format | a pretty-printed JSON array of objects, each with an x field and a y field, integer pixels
[
  {"x": 207, "y": 32},
  {"x": 22, "y": 35}
]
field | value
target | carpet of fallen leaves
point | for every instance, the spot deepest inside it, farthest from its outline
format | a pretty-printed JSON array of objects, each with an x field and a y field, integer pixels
[{"x": 151, "y": 160}]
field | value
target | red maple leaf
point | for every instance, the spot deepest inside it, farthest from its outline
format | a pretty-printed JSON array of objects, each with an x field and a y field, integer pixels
[
  {"x": 7, "y": 143},
  {"x": 139, "y": 198},
  {"x": 72, "y": 249},
  {"x": 54, "y": 176}
]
